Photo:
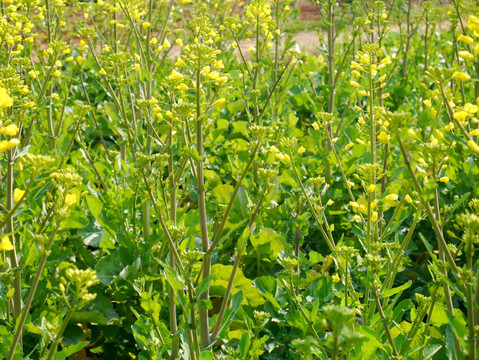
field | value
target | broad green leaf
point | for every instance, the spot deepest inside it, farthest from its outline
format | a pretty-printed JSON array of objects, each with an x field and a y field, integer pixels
[
  {"x": 70, "y": 350},
  {"x": 222, "y": 193},
  {"x": 222, "y": 274},
  {"x": 268, "y": 237}
]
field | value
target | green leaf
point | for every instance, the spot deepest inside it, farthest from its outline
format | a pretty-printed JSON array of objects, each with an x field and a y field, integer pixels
[
  {"x": 100, "y": 311},
  {"x": 94, "y": 205},
  {"x": 439, "y": 315},
  {"x": 267, "y": 286},
  {"x": 268, "y": 237},
  {"x": 70, "y": 350},
  {"x": 76, "y": 220},
  {"x": 429, "y": 350},
  {"x": 206, "y": 355},
  {"x": 315, "y": 258},
  {"x": 222, "y": 193},
  {"x": 72, "y": 335},
  {"x": 218, "y": 286},
  {"x": 119, "y": 263},
  {"x": 391, "y": 292}
]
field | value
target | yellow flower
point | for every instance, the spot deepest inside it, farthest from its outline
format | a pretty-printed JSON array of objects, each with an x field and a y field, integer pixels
[
  {"x": 301, "y": 150},
  {"x": 175, "y": 75},
  {"x": 166, "y": 44},
  {"x": 182, "y": 87},
  {"x": 349, "y": 146},
  {"x": 18, "y": 195},
  {"x": 461, "y": 116},
  {"x": 428, "y": 103},
  {"x": 170, "y": 115},
  {"x": 330, "y": 202},
  {"x": 474, "y": 132},
  {"x": 391, "y": 197},
  {"x": 335, "y": 278},
  {"x": 102, "y": 72},
  {"x": 374, "y": 216},
  {"x": 386, "y": 61},
  {"x": 354, "y": 83},
  {"x": 412, "y": 134},
  {"x": 357, "y": 217},
  {"x": 473, "y": 146},
  {"x": 34, "y": 74},
  {"x": 461, "y": 76},
  {"x": 444, "y": 179},
  {"x": 153, "y": 41},
  {"x": 408, "y": 199},
  {"x": 356, "y": 66},
  {"x": 473, "y": 23},
  {"x": 145, "y": 25},
  {"x": 219, "y": 102},
  {"x": 449, "y": 127},
  {"x": 70, "y": 200},
  {"x": 180, "y": 63},
  {"x": 9, "y": 130},
  {"x": 179, "y": 42},
  {"x": 273, "y": 149},
  {"x": 5, "y": 99},
  {"x": 465, "y": 39},
  {"x": 371, "y": 188},
  {"x": 8, "y": 144},
  {"x": 466, "y": 55},
  {"x": 6, "y": 244},
  {"x": 471, "y": 108},
  {"x": 315, "y": 126},
  {"x": 384, "y": 137}
]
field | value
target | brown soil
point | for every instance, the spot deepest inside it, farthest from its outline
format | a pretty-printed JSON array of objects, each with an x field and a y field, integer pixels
[{"x": 308, "y": 10}]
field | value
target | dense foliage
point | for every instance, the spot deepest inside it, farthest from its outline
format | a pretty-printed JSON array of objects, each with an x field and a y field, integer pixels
[{"x": 180, "y": 181}]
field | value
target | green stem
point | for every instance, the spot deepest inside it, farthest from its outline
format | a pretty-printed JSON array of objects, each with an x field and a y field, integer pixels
[
  {"x": 33, "y": 289},
  {"x": 206, "y": 268}
]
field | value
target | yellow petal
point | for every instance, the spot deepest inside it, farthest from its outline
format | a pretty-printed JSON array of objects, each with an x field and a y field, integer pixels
[{"x": 6, "y": 244}]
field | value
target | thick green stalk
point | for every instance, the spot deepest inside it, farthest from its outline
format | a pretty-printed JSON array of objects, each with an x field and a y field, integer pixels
[
  {"x": 385, "y": 320},
  {"x": 408, "y": 41},
  {"x": 327, "y": 166},
  {"x": 173, "y": 205},
  {"x": 17, "y": 281},
  {"x": 206, "y": 268},
  {"x": 31, "y": 294},
  {"x": 470, "y": 303}
]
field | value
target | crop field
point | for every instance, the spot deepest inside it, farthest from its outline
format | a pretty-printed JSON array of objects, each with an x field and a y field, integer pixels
[{"x": 239, "y": 180}]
